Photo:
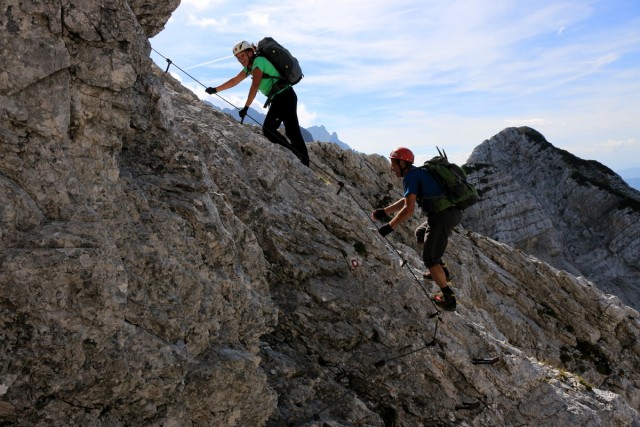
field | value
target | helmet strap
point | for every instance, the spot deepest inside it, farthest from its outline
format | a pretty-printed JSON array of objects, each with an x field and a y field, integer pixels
[
  {"x": 404, "y": 169},
  {"x": 404, "y": 166}
]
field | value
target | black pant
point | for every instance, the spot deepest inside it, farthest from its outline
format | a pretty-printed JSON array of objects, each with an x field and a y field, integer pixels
[
  {"x": 437, "y": 229},
  {"x": 283, "y": 109}
]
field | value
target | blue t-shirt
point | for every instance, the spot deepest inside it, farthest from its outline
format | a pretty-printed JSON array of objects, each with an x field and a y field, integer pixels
[{"x": 421, "y": 183}]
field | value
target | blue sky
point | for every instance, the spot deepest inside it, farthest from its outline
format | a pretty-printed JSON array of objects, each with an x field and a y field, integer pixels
[{"x": 426, "y": 73}]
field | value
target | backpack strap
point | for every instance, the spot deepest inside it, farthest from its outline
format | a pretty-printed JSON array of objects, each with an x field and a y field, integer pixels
[
  {"x": 276, "y": 88},
  {"x": 435, "y": 203},
  {"x": 259, "y": 53}
]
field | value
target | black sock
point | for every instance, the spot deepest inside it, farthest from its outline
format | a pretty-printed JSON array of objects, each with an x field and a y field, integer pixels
[{"x": 447, "y": 291}]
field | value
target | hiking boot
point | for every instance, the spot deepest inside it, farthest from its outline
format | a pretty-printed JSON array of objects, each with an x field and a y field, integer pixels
[
  {"x": 427, "y": 275},
  {"x": 445, "y": 301}
]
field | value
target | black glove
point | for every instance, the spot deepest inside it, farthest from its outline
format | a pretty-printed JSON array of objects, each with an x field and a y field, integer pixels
[
  {"x": 243, "y": 112},
  {"x": 379, "y": 214},
  {"x": 211, "y": 90},
  {"x": 385, "y": 229}
]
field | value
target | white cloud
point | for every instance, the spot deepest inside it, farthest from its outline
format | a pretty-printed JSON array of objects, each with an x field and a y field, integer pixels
[
  {"x": 260, "y": 19},
  {"x": 203, "y": 22},
  {"x": 202, "y": 4},
  {"x": 610, "y": 146},
  {"x": 435, "y": 72},
  {"x": 458, "y": 136},
  {"x": 305, "y": 117},
  {"x": 176, "y": 76},
  {"x": 629, "y": 143},
  {"x": 212, "y": 61},
  {"x": 455, "y": 43},
  {"x": 616, "y": 154}
]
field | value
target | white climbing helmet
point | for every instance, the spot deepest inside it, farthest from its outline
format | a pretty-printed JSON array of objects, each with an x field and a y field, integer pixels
[{"x": 241, "y": 46}]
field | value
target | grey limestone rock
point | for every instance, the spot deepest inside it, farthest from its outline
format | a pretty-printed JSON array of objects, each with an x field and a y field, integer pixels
[
  {"x": 163, "y": 265},
  {"x": 576, "y": 214}
]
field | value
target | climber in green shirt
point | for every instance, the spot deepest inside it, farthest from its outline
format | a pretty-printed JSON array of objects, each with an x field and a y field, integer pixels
[{"x": 281, "y": 99}]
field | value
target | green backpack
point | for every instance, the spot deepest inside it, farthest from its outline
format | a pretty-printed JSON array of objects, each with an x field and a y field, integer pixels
[{"x": 453, "y": 180}]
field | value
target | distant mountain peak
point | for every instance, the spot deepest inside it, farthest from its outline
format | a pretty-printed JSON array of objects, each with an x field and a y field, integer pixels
[
  {"x": 554, "y": 205},
  {"x": 321, "y": 134},
  {"x": 314, "y": 133}
]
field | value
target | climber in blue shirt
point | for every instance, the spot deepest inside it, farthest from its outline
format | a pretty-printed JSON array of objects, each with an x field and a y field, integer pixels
[{"x": 422, "y": 189}]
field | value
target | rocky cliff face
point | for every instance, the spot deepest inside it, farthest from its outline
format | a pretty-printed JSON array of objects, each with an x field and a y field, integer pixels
[
  {"x": 575, "y": 214},
  {"x": 161, "y": 264}
]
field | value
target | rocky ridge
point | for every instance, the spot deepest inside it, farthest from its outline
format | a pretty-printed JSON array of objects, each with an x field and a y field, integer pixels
[
  {"x": 163, "y": 265},
  {"x": 575, "y": 214}
]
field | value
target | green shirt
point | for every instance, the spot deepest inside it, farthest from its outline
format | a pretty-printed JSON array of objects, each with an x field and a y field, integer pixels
[{"x": 266, "y": 84}]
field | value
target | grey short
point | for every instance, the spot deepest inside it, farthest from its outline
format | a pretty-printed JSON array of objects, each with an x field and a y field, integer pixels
[{"x": 437, "y": 229}]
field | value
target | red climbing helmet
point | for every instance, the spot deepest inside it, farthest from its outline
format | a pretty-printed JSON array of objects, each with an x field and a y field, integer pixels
[{"x": 402, "y": 153}]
